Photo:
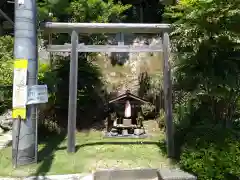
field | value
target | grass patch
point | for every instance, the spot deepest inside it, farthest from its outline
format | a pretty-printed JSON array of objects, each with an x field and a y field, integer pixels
[{"x": 93, "y": 153}]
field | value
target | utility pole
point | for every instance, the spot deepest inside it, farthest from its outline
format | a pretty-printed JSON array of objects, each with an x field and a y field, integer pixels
[{"x": 25, "y": 48}]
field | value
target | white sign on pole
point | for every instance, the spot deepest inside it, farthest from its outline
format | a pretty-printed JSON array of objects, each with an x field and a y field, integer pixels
[
  {"x": 19, "y": 87},
  {"x": 37, "y": 94},
  {"x": 21, "y": 2},
  {"x": 20, "y": 77},
  {"x": 19, "y": 96}
]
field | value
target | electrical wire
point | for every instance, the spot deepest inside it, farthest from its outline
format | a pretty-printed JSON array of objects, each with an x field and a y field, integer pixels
[{"x": 16, "y": 155}]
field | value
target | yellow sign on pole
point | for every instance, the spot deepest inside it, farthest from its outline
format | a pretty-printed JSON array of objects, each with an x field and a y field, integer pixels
[
  {"x": 20, "y": 88},
  {"x": 20, "y": 64},
  {"x": 19, "y": 112}
]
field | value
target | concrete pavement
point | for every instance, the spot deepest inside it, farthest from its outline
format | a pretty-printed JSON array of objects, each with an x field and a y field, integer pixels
[
  {"x": 55, "y": 177},
  {"x": 145, "y": 174}
]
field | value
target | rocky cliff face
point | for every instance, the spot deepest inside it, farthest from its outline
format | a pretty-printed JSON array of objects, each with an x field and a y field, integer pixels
[
  {"x": 121, "y": 71},
  {"x": 126, "y": 76}
]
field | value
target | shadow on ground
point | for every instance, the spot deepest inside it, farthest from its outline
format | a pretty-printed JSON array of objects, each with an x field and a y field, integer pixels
[
  {"x": 78, "y": 147},
  {"x": 179, "y": 137},
  {"x": 46, "y": 154}
]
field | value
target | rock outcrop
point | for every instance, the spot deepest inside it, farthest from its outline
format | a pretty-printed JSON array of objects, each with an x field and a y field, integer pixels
[
  {"x": 137, "y": 63},
  {"x": 6, "y": 121}
]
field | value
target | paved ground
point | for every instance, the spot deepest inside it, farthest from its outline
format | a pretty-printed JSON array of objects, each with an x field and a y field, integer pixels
[
  {"x": 5, "y": 139},
  {"x": 145, "y": 174},
  {"x": 56, "y": 177}
]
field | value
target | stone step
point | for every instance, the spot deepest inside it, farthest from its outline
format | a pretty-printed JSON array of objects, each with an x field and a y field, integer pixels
[
  {"x": 144, "y": 174},
  {"x": 5, "y": 139},
  {"x": 2, "y": 140},
  {"x": 8, "y": 135},
  {"x": 5, "y": 144}
]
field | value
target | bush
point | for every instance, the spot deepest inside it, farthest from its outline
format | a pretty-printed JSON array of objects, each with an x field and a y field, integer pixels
[
  {"x": 211, "y": 153},
  {"x": 206, "y": 73},
  {"x": 147, "y": 109},
  {"x": 6, "y": 68},
  {"x": 90, "y": 97},
  {"x": 6, "y": 60}
]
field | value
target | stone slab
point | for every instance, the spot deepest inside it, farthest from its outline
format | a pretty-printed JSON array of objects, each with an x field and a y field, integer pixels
[
  {"x": 129, "y": 136},
  {"x": 175, "y": 174},
  {"x": 143, "y": 174}
]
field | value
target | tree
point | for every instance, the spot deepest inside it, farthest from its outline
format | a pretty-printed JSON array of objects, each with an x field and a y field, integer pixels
[
  {"x": 206, "y": 40},
  {"x": 97, "y": 11},
  {"x": 81, "y": 10},
  {"x": 56, "y": 10}
]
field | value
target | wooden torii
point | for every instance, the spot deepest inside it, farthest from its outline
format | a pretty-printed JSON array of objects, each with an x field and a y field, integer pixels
[{"x": 74, "y": 29}]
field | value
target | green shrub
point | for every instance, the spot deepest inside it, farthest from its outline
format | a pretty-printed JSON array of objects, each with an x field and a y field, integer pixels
[
  {"x": 48, "y": 76},
  {"x": 6, "y": 72},
  {"x": 6, "y": 60},
  {"x": 147, "y": 109},
  {"x": 211, "y": 153},
  {"x": 90, "y": 97}
]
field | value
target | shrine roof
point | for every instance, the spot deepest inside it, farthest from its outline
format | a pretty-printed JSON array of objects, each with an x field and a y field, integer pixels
[{"x": 127, "y": 95}]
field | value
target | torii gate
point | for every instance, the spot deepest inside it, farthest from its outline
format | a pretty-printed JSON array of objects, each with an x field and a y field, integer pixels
[{"x": 74, "y": 29}]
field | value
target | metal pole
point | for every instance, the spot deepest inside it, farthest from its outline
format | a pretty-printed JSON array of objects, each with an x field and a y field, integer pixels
[
  {"x": 36, "y": 136},
  {"x": 73, "y": 80},
  {"x": 141, "y": 11},
  {"x": 25, "y": 47},
  {"x": 168, "y": 95},
  {"x": 50, "y": 53}
]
